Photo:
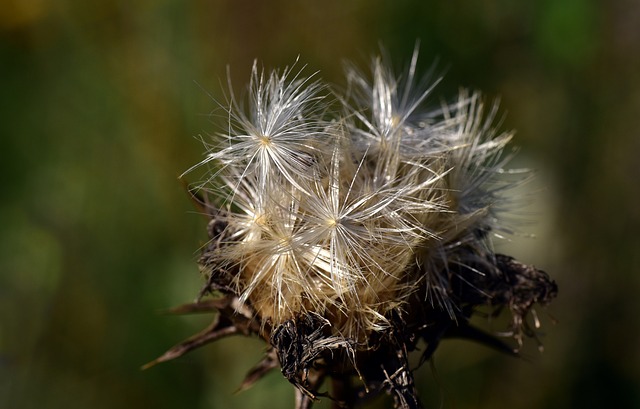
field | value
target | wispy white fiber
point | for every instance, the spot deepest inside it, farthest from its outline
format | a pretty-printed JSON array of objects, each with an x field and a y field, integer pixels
[{"x": 346, "y": 212}]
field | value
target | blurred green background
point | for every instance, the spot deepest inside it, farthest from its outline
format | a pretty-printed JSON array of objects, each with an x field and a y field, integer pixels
[{"x": 100, "y": 105}]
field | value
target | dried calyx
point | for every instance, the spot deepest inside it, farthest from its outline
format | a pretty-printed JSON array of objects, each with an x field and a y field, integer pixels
[{"x": 343, "y": 239}]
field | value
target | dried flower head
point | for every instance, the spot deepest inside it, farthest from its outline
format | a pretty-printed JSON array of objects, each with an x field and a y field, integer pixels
[{"x": 344, "y": 236}]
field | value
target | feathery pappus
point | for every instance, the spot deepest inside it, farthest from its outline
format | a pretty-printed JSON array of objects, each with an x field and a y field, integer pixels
[{"x": 345, "y": 227}]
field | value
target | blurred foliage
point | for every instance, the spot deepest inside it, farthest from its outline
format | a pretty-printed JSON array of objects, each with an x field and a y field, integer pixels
[{"x": 100, "y": 103}]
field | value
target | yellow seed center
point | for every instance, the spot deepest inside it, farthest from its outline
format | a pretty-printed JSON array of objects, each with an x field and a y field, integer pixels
[
  {"x": 332, "y": 222},
  {"x": 265, "y": 140}
]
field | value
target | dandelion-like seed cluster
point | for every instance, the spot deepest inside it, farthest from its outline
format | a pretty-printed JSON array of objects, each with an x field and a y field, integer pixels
[{"x": 347, "y": 226}]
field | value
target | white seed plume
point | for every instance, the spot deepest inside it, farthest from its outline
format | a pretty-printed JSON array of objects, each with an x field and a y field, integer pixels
[{"x": 346, "y": 214}]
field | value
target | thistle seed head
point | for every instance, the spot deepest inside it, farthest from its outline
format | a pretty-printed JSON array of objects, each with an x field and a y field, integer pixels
[{"x": 342, "y": 236}]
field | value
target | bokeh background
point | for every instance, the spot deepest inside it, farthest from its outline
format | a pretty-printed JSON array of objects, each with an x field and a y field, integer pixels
[{"x": 100, "y": 105}]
